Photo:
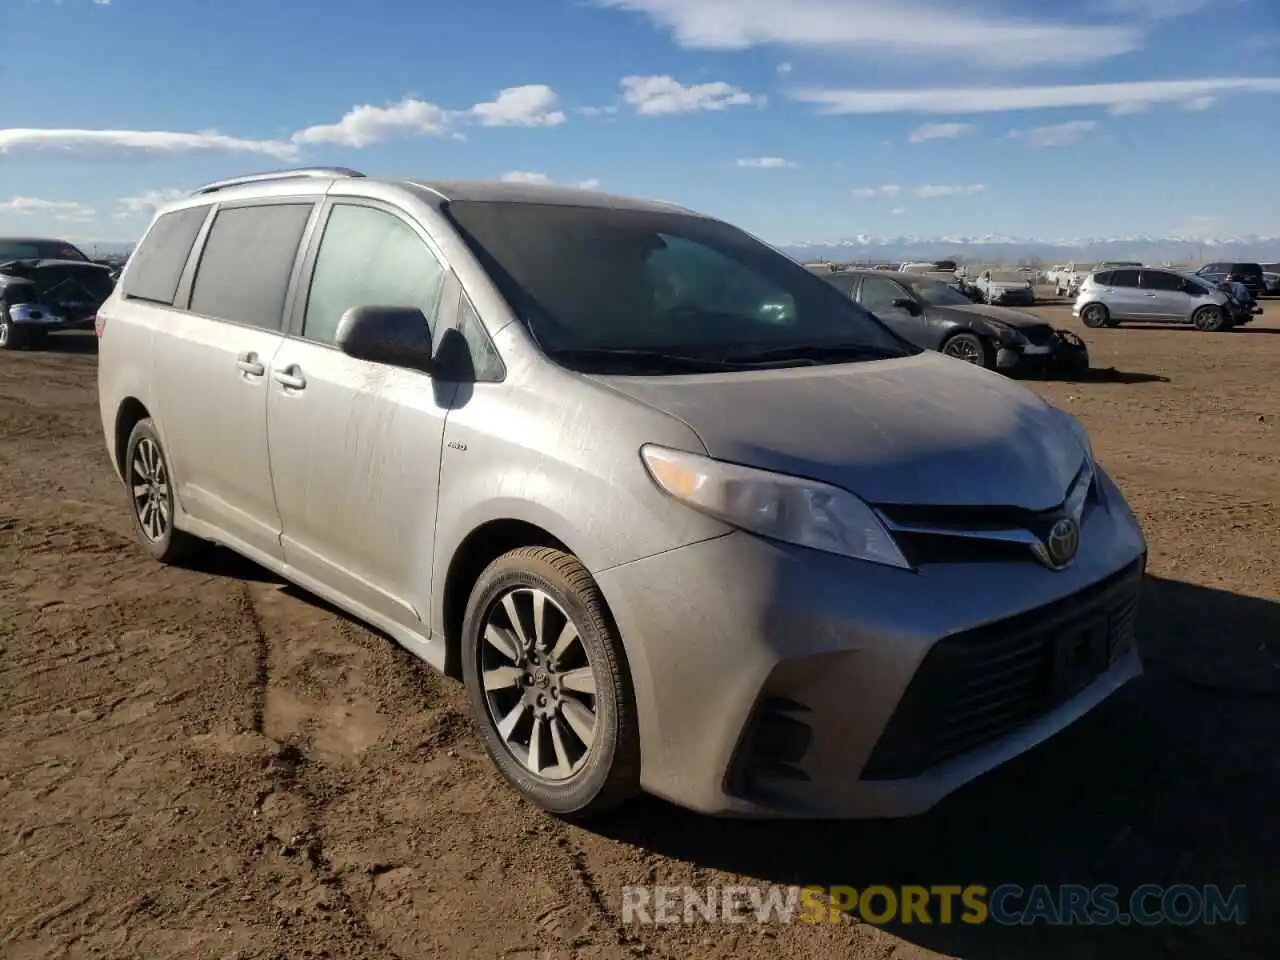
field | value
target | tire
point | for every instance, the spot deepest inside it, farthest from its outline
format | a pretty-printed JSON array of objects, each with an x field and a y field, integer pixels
[
  {"x": 607, "y": 772},
  {"x": 1095, "y": 315},
  {"x": 147, "y": 465},
  {"x": 1210, "y": 320},
  {"x": 970, "y": 348},
  {"x": 12, "y": 335}
]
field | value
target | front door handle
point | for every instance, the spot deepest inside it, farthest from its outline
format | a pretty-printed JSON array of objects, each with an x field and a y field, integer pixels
[
  {"x": 290, "y": 377},
  {"x": 1150, "y": 294},
  {"x": 249, "y": 364}
]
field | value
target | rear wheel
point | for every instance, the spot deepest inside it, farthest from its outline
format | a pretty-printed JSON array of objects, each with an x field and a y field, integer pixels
[
  {"x": 1210, "y": 319},
  {"x": 151, "y": 497},
  {"x": 1095, "y": 315},
  {"x": 549, "y": 686},
  {"x": 970, "y": 348}
]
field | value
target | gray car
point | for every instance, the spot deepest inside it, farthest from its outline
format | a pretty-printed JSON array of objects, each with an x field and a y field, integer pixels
[
  {"x": 1152, "y": 295},
  {"x": 682, "y": 517}
]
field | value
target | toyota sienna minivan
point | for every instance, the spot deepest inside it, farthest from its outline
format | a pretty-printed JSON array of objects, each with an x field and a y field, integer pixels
[{"x": 681, "y": 517}]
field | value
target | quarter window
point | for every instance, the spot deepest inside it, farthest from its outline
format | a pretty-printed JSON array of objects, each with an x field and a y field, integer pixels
[
  {"x": 247, "y": 262},
  {"x": 156, "y": 266},
  {"x": 368, "y": 258},
  {"x": 485, "y": 361}
]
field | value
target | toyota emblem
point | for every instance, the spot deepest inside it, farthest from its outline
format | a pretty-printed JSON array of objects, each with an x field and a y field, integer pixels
[{"x": 1063, "y": 541}]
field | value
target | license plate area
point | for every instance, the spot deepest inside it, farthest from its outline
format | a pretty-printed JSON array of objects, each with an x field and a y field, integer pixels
[{"x": 1080, "y": 655}]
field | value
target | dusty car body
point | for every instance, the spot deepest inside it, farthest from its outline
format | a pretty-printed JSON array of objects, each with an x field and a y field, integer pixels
[
  {"x": 49, "y": 286},
  {"x": 1007, "y": 289}
]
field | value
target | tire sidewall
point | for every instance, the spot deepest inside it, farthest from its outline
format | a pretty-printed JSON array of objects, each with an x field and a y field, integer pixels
[
  {"x": 1207, "y": 311},
  {"x": 159, "y": 549},
  {"x": 505, "y": 574}
]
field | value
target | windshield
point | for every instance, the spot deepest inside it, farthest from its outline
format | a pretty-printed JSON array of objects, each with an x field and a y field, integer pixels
[
  {"x": 38, "y": 250},
  {"x": 938, "y": 294},
  {"x": 589, "y": 279},
  {"x": 1007, "y": 276}
]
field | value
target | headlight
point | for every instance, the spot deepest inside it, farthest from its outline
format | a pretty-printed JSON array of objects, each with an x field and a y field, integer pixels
[
  {"x": 1008, "y": 334},
  {"x": 803, "y": 512}
]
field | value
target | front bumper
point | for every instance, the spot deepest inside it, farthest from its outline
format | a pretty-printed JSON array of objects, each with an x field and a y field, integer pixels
[
  {"x": 1066, "y": 355},
  {"x": 1013, "y": 297},
  {"x": 35, "y": 316},
  {"x": 773, "y": 680}
]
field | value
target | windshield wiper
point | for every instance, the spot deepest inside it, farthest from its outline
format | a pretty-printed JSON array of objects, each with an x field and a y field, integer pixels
[
  {"x": 642, "y": 358},
  {"x": 816, "y": 353}
]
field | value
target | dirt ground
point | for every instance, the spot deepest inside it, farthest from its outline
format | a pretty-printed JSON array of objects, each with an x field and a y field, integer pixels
[{"x": 206, "y": 763}]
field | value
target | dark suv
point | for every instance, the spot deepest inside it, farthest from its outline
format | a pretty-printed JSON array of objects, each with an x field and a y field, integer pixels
[{"x": 1250, "y": 274}]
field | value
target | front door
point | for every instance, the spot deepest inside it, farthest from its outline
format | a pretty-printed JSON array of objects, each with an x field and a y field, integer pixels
[
  {"x": 1164, "y": 295},
  {"x": 884, "y": 298},
  {"x": 355, "y": 445},
  {"x": 211, "y": 367}
]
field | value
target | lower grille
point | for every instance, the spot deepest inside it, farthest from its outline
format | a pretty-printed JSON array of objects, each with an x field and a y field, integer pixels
[
  {"x": 975, "y": 687},
  {"x": 776, "y": 740}
]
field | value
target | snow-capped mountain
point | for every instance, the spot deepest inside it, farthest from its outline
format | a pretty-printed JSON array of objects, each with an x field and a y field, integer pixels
[{"x": 996, "y": 247}]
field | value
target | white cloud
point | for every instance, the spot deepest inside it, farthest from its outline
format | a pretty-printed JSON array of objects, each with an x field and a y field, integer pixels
[
  {"x": 664, "y": 96},
  {"x": 1127, "y": 108},
  {"x": 1156, "y": 9},
  {"x": 137, "y": 141},
  {"x": 532, "y": 105},
  {"x": 931, "y": 191},
  {"x": 528, "y": 176},
  {"x": 784, "y": 69},
  {"x": 366, "y": 124},
  {"x": 917, "y": 27},
  {"x": 147, "y": 202},
  {"x": 58, "y": 209},
  {"x": 898, "y": 211},
  {"x": 871, "y": 193},
  {"x": 1055, "y": 134},
  {"x": 1196, "y": 104},
  {"x": 941, "y": 131},
  {"x": 963, "y": 100},
  {"x": 765, "y": 163}
]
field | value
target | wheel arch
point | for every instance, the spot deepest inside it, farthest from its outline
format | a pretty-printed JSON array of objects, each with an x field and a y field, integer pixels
[
  {"x": 129, "y": 414},
  {"x": 474, "y": 553}
]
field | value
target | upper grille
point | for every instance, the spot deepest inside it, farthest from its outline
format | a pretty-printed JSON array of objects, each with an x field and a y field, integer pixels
[{"x": 974, "y": 687}]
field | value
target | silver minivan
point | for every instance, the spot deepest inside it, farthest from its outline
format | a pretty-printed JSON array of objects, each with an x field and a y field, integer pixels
[
  {"x": 1151, "y": 295},
  {"x": 682, "y": 517}
]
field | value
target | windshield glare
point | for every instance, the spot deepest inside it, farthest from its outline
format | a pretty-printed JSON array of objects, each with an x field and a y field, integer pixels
[
  {"x": 585, "y": 278},
  {"x": 939, "y": 294},
  {"x": 38, "y": 250}
]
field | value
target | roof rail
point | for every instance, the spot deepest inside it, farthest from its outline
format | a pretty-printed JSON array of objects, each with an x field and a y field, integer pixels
[{"x": 327, "y": 173}]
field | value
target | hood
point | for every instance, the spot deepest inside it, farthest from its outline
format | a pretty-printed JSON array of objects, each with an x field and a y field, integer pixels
[
  {"x": 924, "y": 430},
  {"x": 1012, "y": 318}
]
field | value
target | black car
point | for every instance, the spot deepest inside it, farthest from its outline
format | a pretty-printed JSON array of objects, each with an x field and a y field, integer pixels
[
  {"x": 47, "y": 285},
  {"x": 935, "y": 315},
  {"x": 1250, "y": 274}
]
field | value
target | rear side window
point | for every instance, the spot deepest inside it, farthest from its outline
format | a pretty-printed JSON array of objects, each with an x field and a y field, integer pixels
[
  {"x": 245, "y": 267},
  {"x": 1124, "y": 278},
  {"x": 1156, "y": 280},
  {"x": 156, "y": 266},
  {"x": 1248, "y": 269}
]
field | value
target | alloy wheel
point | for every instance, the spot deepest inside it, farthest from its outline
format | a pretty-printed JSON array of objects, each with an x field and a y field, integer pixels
[
  {"x": 539, "y": 684},
  {"x": 4, "y": 333},
  {"x": 963, "y": 349},
  {"x": 149, "y": 482}
]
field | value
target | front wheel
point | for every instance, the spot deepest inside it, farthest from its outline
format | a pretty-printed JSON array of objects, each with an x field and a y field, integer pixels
[
  {"x": 13, "y": 336},
  {"x": 1210, "y": 319},
  {"x": 549, "y": 685},
  {"x": 970, "y": 348}
]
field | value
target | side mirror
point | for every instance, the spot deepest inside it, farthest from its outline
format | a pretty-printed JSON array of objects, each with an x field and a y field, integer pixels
[
  {"x": 398, "y": 336},
  {"x": 909, "y": 305}
]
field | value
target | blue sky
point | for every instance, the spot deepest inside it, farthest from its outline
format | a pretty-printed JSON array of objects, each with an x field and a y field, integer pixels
[{"x": 796, "y": 119}]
